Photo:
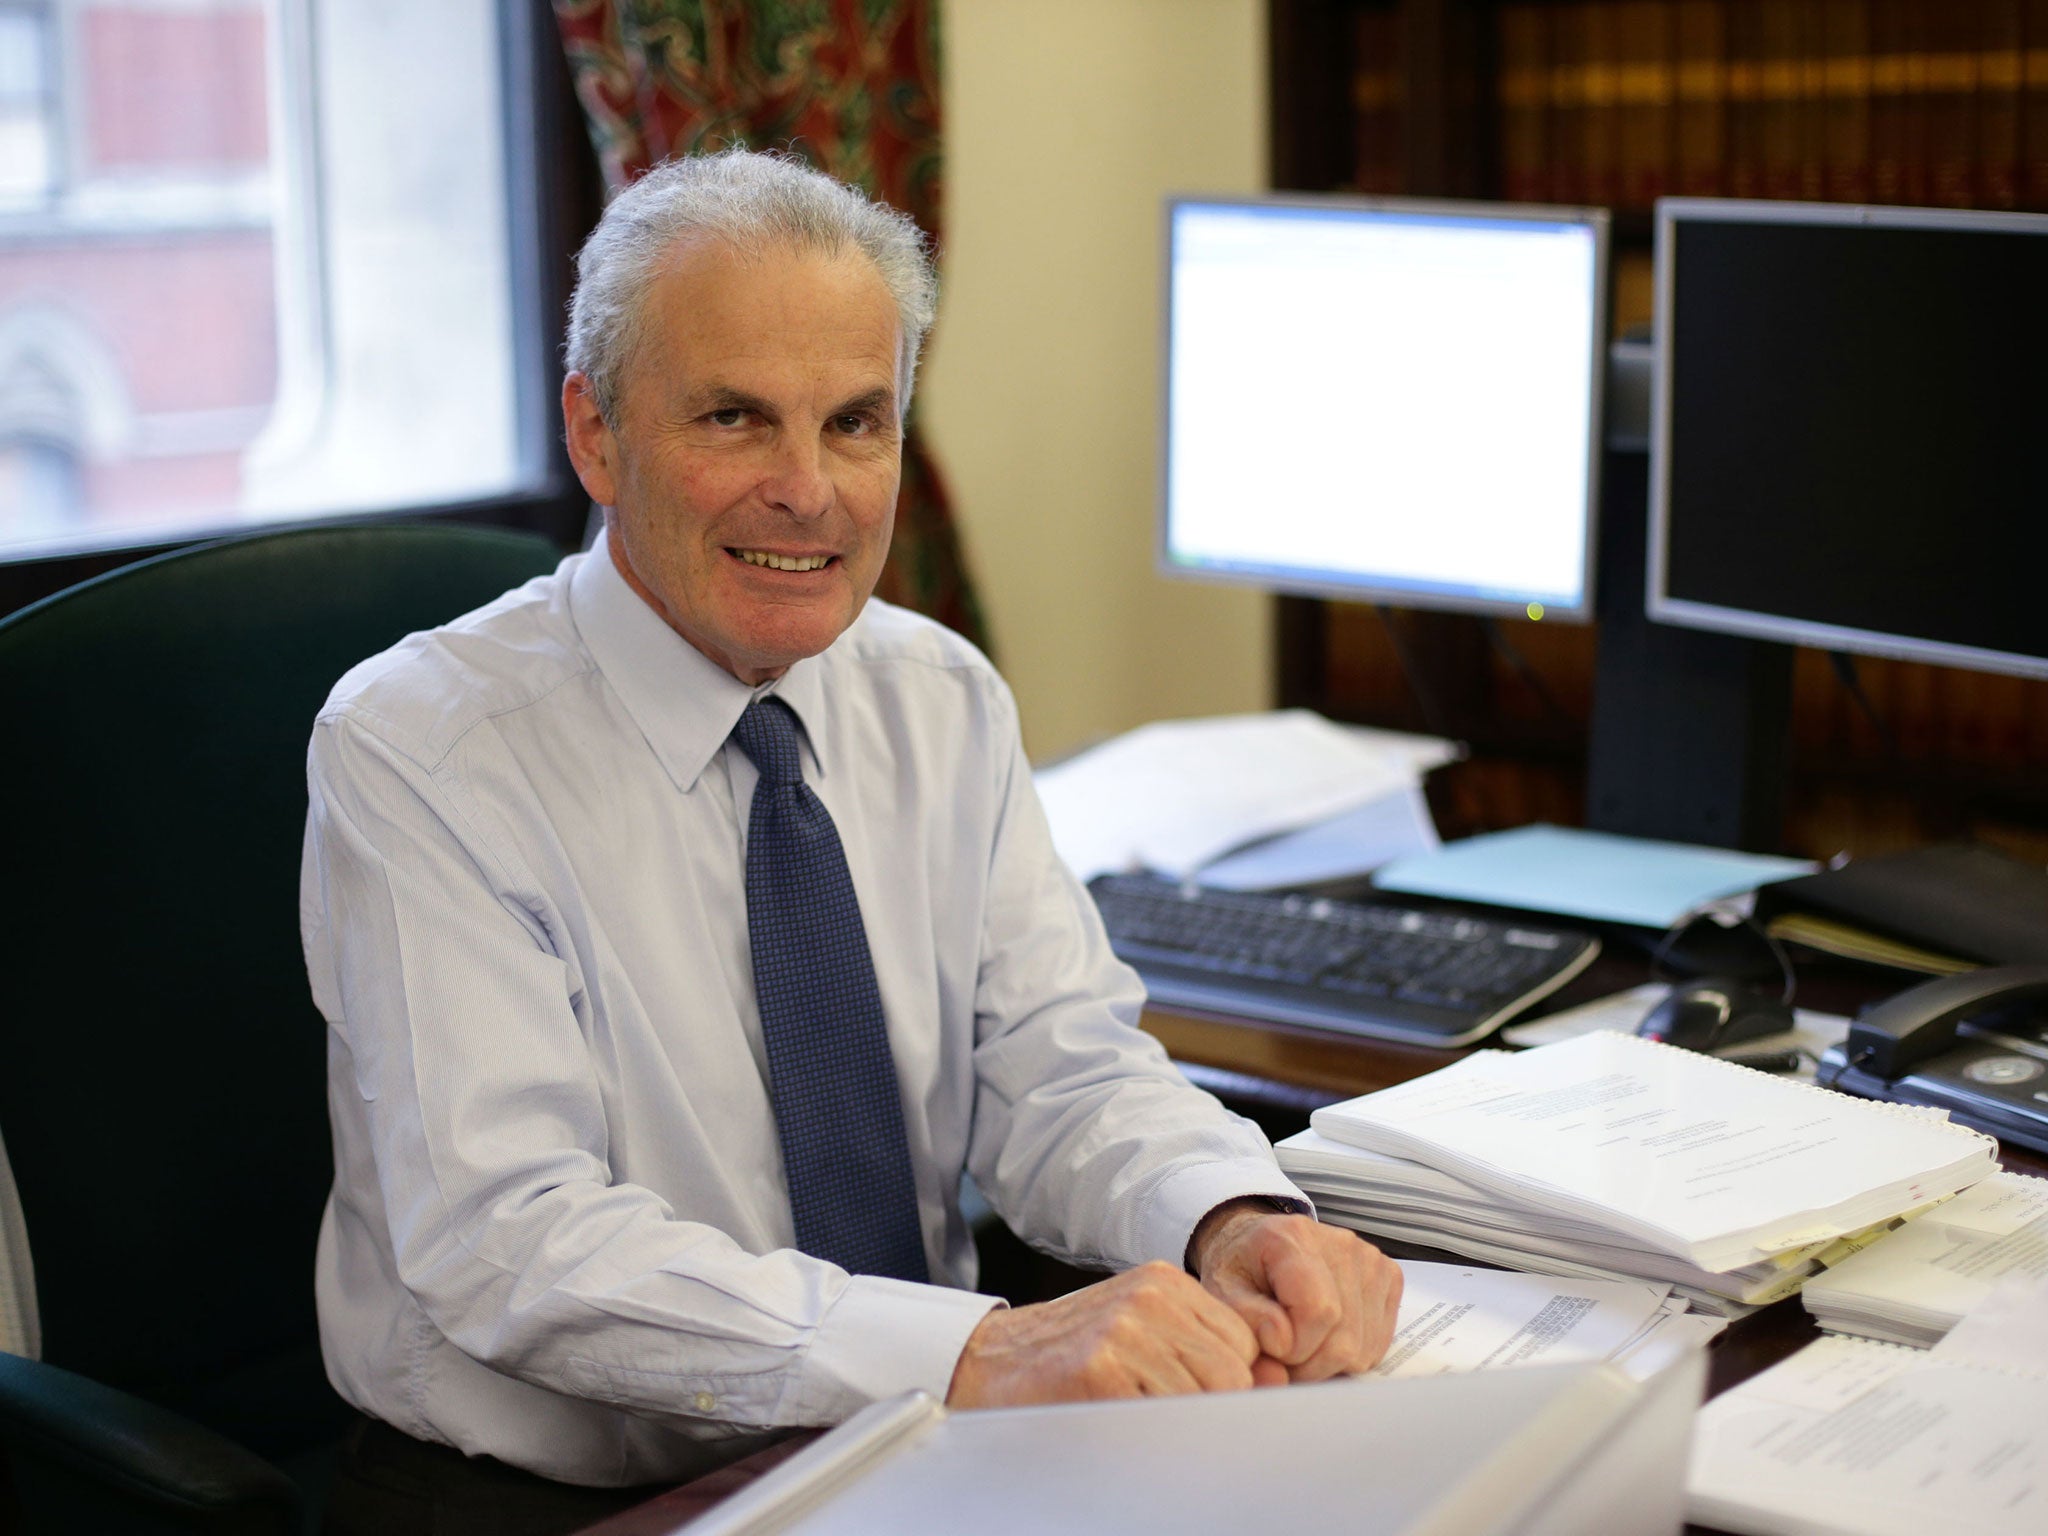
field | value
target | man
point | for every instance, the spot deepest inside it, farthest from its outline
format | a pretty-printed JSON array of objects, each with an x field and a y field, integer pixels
[{"x": 619, "y": 891}]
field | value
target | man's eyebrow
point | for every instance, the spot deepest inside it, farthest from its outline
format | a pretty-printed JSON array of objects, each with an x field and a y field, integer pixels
[
  {"x": 723, "y": 397},
  {"x": 880, "y": 398}
]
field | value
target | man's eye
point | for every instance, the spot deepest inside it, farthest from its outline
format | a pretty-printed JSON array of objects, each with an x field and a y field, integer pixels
[
  {"x": 731, "y": 416},
  {"x": 852, "y": 425}
]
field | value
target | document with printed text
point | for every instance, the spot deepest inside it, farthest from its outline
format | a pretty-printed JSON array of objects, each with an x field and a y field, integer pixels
[
  {"x": 1912, "y": 1286},
  {"x": 1714, "y": 1162},
  {"x": 1855, "y": 1438},
  {"x": 1455, "y": 1318}
]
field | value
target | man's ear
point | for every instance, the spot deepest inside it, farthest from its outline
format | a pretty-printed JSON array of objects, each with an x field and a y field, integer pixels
[{"x": 592, "y": 449}]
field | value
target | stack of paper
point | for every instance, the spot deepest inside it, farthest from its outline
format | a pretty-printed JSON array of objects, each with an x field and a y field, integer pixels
[
  {"x": 1398, "y": 1198},
  {"x": 1913, "y": 1286},
  {"x": 1854, "y": 1438},
  {"x": 1613, "y": 1155},
  {"x": 1177, "y": 796},
  {"x": 1458, "y": 1319}
]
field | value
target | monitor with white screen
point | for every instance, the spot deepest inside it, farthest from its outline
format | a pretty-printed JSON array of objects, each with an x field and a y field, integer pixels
[
  {"x": 1849, "y": 441},
  {"x": 1387, "y": 401}
]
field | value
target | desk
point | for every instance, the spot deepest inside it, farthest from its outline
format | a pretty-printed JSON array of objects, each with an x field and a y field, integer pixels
[{"x": 1281, "y": 1072}]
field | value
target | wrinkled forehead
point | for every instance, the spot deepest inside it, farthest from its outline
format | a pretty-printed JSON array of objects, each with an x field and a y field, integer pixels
[{"x": 712, "y": 301}]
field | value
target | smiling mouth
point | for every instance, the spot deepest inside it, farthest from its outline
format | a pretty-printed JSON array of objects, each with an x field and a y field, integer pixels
[{"x": 775, "y": 562}]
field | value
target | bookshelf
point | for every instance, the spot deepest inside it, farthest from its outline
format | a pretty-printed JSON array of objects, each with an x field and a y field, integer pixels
[{"x": 1617, "y": 102}]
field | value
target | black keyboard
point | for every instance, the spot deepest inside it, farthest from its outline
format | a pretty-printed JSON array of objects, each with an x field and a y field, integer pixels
[{"x": 1393, "y": 972}]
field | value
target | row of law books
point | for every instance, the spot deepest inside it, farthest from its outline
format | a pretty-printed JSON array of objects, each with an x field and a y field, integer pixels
[
  {"x": 1612, "y": 1156},
  {"x": 1620, "y": 102}
]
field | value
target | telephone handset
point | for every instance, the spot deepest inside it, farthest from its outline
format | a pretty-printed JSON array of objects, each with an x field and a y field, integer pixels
[{"x": 1975, "y": 1044}]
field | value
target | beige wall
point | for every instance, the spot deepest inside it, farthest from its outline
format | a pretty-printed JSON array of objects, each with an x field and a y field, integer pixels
[{"x": 1066, "y": 121}]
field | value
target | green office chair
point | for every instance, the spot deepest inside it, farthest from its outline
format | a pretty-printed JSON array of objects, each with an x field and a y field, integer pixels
[{"x": 162, "y": 1066}]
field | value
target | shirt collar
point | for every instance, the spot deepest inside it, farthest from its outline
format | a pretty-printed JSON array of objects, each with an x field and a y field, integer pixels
[{"x": 684, "y": 703}]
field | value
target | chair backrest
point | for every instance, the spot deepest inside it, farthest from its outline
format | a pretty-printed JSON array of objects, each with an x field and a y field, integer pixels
[{"x": 161, "y": 1061}]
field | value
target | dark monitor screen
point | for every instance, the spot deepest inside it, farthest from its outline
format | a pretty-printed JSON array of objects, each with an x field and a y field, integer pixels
[
  {"x": 1850, "y": 429},
  {"x": 1385, "y": 400}
]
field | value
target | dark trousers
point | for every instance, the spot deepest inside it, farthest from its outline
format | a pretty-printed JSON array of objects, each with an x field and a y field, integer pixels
[{"x": 389, "y": 1484}]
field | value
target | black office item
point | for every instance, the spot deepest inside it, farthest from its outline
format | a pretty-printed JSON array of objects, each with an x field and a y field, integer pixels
[
  {"x": 1442, "y": 365},
  {"x": 1846, "y": 449},
  {"x": 1712, "y": 1012},
  {"x": 1846, "y": 408},
  {"x": 164, "y": 1094},
  {"x": 1974, "y": 1044},
  {"x": 1387, "y": 971},
  {"x": 1960, "y": 899}
]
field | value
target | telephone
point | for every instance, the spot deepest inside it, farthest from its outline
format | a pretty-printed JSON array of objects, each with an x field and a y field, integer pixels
[{"x": 1974, "y": 1044}]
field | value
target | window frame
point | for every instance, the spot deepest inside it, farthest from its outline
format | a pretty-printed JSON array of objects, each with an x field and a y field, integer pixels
[{"x": 553, "y": 197}]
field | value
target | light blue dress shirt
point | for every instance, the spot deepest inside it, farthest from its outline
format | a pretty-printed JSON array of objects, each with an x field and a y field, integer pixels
[{"x": 559, "y": 1233}]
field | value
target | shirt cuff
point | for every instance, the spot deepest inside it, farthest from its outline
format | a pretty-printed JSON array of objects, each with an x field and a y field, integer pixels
[
  {"x": 1177, "y": 1207},
  {"x": 880, "y": 1338}
]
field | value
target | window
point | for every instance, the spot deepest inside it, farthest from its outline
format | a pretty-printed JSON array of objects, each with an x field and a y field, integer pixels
[
  {"x": 27, "y": 127},
  {"x": 259, "y": 259}
]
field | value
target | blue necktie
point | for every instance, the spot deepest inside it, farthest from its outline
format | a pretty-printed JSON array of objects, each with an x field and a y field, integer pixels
[{"x": 830, "y": 1072}]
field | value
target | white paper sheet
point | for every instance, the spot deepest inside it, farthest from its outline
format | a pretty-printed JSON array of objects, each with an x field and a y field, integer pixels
[
  {"x": 1175, "y": 795},
  {"x": 1849, "y": 1436},
  {"x": 1458, "y": 1319},
  {"x": 1350, "y": 843},
  {"x": 2008, "y": 1329}
]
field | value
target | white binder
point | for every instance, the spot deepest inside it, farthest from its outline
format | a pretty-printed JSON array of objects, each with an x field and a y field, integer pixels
[{"x": 1542, "y": 1451}]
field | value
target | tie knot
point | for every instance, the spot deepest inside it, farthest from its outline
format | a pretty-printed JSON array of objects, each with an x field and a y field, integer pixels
[{"x": 767, "y": 734}]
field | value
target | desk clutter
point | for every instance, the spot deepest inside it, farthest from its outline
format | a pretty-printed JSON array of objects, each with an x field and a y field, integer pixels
[{"x": 1607, "y": 1155}]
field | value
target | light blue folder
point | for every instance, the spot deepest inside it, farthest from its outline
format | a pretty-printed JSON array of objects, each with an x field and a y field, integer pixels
[{"x": 1575, "y": 873}]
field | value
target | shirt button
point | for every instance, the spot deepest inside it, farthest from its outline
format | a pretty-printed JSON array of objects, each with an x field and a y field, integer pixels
[{"x": 705, "y": 1402}]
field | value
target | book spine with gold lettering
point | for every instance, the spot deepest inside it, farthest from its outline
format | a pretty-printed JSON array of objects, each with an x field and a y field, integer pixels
[
  {"x": 1523, "y": 86},
  {"x": 1701, "y": 137},
  {"x": 1809, "y": 22},
  {"x": 1999, "y": 66},
  {"x": 1955, "y": 29},
  {"x": 1647, "y": 89},
  {"x": 1916, "y": 158},
  {"x": 1845, "y": 87},
  {"x": 1567, "y": 59},
  {"x": 1777, "y": 106},
  {"x": 1600, "y": 116},
  {"x": 1888, "y": 100},
  {"x": 2034, "y": 108},
  {"x": 1746, "y": 36},
  {"x": 1376, "y": 99}
]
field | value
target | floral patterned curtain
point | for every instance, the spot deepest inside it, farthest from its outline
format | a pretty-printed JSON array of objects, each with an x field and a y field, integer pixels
[{"x": 853, "y": 86}]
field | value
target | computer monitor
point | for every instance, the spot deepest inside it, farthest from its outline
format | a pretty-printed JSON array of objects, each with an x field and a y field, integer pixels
[
  {"x": 1385, "y": 400},
  {"x": 1849, "y": 441}
]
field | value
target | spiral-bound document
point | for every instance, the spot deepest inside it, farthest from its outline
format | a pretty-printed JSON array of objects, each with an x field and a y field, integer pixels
[
  {"x": 1712, "y": 1163},
  {"x": 1921, "y": 1280},
  {"x": 1850, "y": 1437}
]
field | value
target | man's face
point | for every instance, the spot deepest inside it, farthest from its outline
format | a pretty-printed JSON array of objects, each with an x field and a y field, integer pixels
[{"x": 751, "y": 469}]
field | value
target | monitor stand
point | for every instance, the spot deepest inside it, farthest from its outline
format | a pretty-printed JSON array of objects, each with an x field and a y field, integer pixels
[{"x": 1689, "y": 728}]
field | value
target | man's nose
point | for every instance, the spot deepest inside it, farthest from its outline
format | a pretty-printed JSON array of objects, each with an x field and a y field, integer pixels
[{"x": 798, "y": 482}]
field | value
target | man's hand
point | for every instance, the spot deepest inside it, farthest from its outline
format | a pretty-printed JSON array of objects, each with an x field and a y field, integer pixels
[
  {"x": 1152, "y": 1331},
  {"x": 1320, "y": 1300}
]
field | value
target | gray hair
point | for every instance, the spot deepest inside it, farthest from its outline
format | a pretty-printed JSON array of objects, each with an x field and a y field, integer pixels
[{"x": 751, "y": 201}]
